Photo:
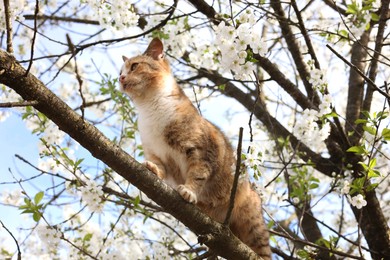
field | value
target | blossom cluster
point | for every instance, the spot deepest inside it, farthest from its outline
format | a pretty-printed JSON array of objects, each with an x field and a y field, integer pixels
[
  {"x": 253, "y": 158},
  {"x": 357, "y": 201},
  {"x": 177, "y": 37},
  {"x": 116, "y": 15},
  {"x": 233, "y": 43},
  {"x": 307, "y": 128},
  {"x": 359, "y": 20},
  {"x": 92, "y": 194},
  {"x": 50, "y": 236},
  {"x": 317, "y": 80}
]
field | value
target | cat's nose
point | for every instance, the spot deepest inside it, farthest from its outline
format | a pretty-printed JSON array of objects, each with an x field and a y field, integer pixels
[{"x": 122, "y": 78}]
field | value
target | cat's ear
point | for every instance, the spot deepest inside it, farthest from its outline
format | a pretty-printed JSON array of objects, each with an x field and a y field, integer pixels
[
  {"x": 155, "y": 49},
  {"x": 124, "y": 58}
]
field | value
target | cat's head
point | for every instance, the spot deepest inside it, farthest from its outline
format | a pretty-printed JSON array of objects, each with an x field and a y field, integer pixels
[{"x": 145, "y": 75}]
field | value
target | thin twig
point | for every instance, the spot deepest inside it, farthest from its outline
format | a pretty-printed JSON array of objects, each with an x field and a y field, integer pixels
[
  {"x": 60, "y": 18},
  {"x": 16, "y": 241},
  {"x": 236, "y": 176},
  {"x": 73, "y": 50},
  {"x": 19, "y": 104},
  {"x": 254, "y": 107},
  {"x": 34, "y": 37},
  {"x": 8, "y": 26},
  {"x": 305, "y": 35},
  {"x": 111, "y": 230},
  {"x": 368, "y": 80}
]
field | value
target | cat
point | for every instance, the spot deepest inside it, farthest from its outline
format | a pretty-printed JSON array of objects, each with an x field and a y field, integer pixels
[{"x": 186, "y": 150}]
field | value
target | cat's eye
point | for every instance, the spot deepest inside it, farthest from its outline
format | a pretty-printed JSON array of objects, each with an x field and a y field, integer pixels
[{"x": 133, "y": 66}]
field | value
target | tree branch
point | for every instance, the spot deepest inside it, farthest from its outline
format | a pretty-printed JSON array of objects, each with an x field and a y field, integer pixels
[
  {"x": 8, "y": 25},
  {"x": 220, "y": 238},
  {"x": 236, "y": 176},
  {"x": 326, "y": 166},
  {"x": 356, "y": 85},
  {"x": 34, "y": 36},
  {"x": 59, "y": 19},
  {"x": 374, "y": 226},
  {"x": 294, "y": 50},
  {"x": 13, "y": 237},
  {"x": 265, "y": 63},
  {"x": 19, "y": 104},
  {"x": 378, "y": 48}
]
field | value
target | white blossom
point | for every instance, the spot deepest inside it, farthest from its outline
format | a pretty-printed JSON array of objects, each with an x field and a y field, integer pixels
[
  {"x": 15, "y": 8},
  {"x": 117, "y": 16},
  {"x": 91, "y": 194},
  {"x": 317, "y": 79},
  {"x": 345, "y": 187},
  {"x": 357, "y": 201},
  {"x": 233, "y": 42},
  {"x": 50, "y": 236},
  {"x": 11, "y": 197},
  {"x": 295, "y": 200},
  {"x": 254, "y": 157}
]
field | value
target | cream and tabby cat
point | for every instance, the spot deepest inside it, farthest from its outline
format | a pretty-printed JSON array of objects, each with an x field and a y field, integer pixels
[{"x": 186, "y": 150}]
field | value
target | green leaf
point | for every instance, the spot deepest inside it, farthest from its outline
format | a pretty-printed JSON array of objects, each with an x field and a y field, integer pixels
[
  {"x": 78, "y": 162},
  {"x": 366, "y": 114},
  {"x": 361, "y": 121},
  {"x": 38, "y": 197},
  {"x": 352, "y": 9},
  {"x": 357, "y": 150},
  {"x": 28, "y": 211},
  {"x": 386, "y": 134},
  {"x": 365, "y": 166},
  {"x": 370, "y": 129},
  {"x": 36, "y": 216},
  {"x": 372, "y": 163},
  {"x": 88, "y": 237},
  {"x": 373, "y": 173},
  {"x": 303, "y": 254},
  {"x": 343, "y": 33},
  {"x": 374, "y": 17},
  {"x": 136, "y": 201}
]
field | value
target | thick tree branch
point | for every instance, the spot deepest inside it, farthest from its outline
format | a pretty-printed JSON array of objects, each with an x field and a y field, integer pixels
[
  {"x": 205, "y": 9},
  {"x": 294, "y": 49},
  {"x": 375, "y": 58},
  {"x": 275, "y": 128},
  {"x": 356, "y": 85},
  {"x": 8, "y": 25},
  {"x": 220, "y": 238},
  {"x": 264, "y": 63},
  {"x": 332, "y": 4},
  {"x": 284, "y": 82},
  {"x": 374, "y": 226}
]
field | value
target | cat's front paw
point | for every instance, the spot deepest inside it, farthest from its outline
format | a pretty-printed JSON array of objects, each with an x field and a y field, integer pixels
[
  {"x": 153, "y": 168},
  {"x": 187, "y": 194}
]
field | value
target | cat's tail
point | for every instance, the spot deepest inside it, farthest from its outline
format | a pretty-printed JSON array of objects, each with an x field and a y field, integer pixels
[{"x": 247, "y": 222}]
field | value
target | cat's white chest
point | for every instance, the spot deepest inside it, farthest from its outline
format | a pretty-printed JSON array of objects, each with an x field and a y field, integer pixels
[{"x": 152, "y": 122}]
